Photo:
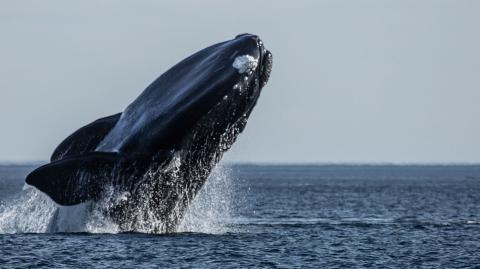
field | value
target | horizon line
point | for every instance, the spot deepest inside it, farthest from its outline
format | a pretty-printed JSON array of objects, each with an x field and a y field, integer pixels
[{"x": 309, "y": 163}]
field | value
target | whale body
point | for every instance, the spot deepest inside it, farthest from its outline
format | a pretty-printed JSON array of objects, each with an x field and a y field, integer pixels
[{"x": 158, "y": 152}]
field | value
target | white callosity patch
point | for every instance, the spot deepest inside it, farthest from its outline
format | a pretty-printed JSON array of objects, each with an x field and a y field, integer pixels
[{"x": 245, "y": 63}]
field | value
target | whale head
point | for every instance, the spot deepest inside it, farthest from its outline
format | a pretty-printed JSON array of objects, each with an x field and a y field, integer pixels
[
  {"x": 219, "y": 84},
  {"x": 241, "y": 68}
]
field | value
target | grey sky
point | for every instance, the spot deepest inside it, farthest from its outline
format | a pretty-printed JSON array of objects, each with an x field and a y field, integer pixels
[{"x": 353, "y": 81}]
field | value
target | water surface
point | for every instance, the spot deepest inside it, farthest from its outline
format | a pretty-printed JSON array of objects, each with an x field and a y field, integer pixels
[{"x": 309, "y": 216}]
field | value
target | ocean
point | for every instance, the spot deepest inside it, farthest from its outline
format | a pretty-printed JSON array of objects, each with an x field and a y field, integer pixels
[{"x": 268, "y": 216}]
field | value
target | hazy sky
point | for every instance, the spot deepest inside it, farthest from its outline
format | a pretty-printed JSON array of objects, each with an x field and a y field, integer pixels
[{"x": 353, "y": 81}]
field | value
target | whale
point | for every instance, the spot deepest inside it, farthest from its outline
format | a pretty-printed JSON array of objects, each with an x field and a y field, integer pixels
[{"x": 146, "y": 164}]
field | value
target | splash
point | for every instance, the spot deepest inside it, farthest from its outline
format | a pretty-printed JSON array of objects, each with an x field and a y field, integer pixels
[
  {"x": 214, "y": 206},
  {"x": 31, "y": 211},
  {"x": 28, "y": 212}
]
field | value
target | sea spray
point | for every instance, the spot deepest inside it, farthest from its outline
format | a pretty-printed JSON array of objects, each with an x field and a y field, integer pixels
[
  {"x": 213, "y": 207},
  {"x": 31, "y": 211}
]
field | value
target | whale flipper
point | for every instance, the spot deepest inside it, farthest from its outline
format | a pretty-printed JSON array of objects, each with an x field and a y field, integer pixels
[
  {"x": 85, "y": 139},
  {"x": 76, "y": 179}
]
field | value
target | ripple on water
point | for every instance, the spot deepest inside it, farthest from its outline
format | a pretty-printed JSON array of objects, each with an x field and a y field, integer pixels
[{"x": 288, "y": 217}]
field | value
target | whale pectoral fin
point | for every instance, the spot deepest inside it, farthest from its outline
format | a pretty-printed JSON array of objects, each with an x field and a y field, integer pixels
[
  {"x": 85, "y": 139},
  {"x": 75, "y": 179}
]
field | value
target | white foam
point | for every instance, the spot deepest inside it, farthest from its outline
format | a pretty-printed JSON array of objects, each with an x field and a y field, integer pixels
[{"x": 244, "y": 63}]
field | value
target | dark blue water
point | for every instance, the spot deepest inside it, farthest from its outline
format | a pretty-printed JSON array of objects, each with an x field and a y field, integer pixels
[{"x": 276, "y": 217}]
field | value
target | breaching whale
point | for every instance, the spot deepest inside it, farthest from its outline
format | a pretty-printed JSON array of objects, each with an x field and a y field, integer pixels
[{"x": 160, "y": 150}]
